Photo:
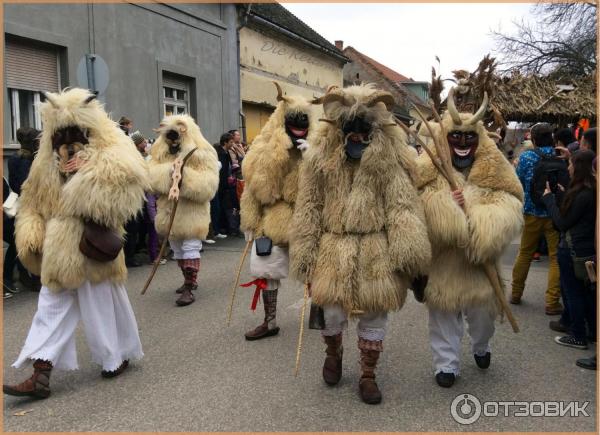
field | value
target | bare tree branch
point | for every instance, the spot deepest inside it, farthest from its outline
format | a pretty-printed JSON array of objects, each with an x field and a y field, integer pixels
[{"x": 561, "y": 41}]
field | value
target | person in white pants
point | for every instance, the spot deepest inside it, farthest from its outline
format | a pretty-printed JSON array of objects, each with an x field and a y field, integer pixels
[
  {"x": 108, "y": 322},
  {"x": 469, "y": 227},
  {"x": 446, "y": 332},
  {"x": 87, "y": 180}
]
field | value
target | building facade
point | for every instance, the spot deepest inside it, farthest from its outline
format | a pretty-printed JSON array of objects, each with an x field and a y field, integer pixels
[
  {"x": 407, "y": 93},
  {"x": 145, "y": 60},
  {"x": 277, "y": 46}
]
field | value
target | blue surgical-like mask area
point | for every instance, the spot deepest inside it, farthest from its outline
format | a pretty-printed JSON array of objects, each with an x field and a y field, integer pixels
[{"x": 357, "y": 137}]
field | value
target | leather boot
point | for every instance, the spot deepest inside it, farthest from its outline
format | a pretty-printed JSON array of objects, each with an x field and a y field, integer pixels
[
  {"x": 332, "y": 368},
  {"x": 369, "y": 354},
  {"x": 268, "y": 328},
  {"x": 38, "y": 385},
  {"x": 180, "y": 289},
  {"x": 186, "y": 297}
]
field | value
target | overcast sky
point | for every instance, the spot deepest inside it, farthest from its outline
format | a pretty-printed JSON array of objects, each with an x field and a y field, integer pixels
[{"x": 407, "y": 36}]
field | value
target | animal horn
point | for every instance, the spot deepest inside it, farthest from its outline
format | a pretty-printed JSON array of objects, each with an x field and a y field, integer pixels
[
  {"x": 50, "y": 99},
  {"x": 329, "y": 98},
  {"x": 90, "y": 99},
  {"x": 480, "y": 112},
  {"x": 382, "y": 97},
  {"x": 328, "y": 90},
  {"x": 280, "y": 96},
  {"x": 452, "y": 108}
]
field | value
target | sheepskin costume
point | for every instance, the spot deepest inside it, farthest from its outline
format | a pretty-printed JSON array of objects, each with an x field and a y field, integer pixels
[
  {"x": 178, "y": 135},
  {"x": 358, "y": 233},
  {"x": 270, "y": 170},
  {"x": 463, "y": 240},
  {"x": 107, "y": 190}
]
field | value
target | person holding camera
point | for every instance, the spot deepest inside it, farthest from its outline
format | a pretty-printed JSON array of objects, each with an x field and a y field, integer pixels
[
  {"x": 573, "y": 212},
  {"x": 537, "y": 220}
]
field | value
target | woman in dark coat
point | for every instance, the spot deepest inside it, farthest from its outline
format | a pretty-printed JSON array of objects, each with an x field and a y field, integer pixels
[{"x": 575, "y": 218}]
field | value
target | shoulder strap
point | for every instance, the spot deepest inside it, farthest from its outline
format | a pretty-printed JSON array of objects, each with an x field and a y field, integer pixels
[{"x": 540, "y": 154}]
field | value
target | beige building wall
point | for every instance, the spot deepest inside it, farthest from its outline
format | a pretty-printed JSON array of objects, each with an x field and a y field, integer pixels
[{"x": 299, "y": 70}]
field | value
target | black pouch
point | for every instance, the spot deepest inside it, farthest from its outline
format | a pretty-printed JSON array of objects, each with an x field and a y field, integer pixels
[
  {"x": 263, "y": 246},
  {"x": 316, "y": 319}
]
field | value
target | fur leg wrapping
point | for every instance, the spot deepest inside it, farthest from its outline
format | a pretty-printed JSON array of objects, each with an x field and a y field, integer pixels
[{"x": 332, "y": 368}]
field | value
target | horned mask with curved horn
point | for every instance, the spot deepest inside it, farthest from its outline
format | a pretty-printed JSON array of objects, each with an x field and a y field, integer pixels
[
  {"x": 478, "y": 116},
  {"x": 280, "y": 96}
]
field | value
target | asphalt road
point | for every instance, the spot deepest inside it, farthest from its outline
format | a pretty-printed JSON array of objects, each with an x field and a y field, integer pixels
[{"x": 199, "y": 375}]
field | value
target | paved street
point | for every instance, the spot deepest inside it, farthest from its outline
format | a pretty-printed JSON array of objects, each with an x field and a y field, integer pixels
[{"x": 199, "y": 375}]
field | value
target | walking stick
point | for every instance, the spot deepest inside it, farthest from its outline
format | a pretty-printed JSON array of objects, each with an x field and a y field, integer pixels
[
  {"x": 299, "y": 348},
  {"x": 444, "y": 165},
  {"x": 174, "y": 195},
  {"x": 237, "y": 280}
]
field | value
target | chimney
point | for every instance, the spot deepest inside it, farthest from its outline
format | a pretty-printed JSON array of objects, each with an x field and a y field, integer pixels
[{"x": 339, "y": 45}]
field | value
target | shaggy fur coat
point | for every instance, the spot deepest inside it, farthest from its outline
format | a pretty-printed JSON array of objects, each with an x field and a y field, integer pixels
[
  {"x": 108, "y": 189},
  {"x": 271, "y": 176},
  {"x": 358, "y": 233},
  {"x": 463, "y": 240},
  {"x": 200, "y": 180}
]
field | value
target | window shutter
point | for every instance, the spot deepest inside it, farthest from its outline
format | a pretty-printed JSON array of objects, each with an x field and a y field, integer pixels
[
  {"x": 172, "y": 81},
  {"x": 30, "y": 67}
]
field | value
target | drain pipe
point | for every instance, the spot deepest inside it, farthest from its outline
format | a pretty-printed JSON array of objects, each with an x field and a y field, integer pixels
[{"x": 243, "y": 23}]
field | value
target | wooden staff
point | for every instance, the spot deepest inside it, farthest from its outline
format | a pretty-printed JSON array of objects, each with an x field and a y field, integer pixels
[
  {"x": 174, "y": 189},
  {"x": 302, "y": 314},
  {"x": 445, "y": 164},
  {"x": 237, "y": 280}
]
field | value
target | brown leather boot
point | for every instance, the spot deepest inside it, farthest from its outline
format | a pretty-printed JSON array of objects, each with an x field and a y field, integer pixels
[
  {"x": 369, "y": 354},
  {"x": 268, "y": 328},
  {"x": 180, "y": 289},
  {"x": 187, "y": 297},
  {"x": 38, "y": 385},
  {"x": 332, "y": 368}
]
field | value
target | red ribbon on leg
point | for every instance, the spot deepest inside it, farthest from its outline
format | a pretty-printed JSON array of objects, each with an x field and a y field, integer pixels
[{"x": 261, "y": 284}]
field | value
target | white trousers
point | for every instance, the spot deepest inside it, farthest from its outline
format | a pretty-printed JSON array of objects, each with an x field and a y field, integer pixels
[
  {"x": 446, "y": 331},
  {"x": 187, "y": 249},
  {"x": 108, "y": 322},
  {"x": 371, "y": 326}
]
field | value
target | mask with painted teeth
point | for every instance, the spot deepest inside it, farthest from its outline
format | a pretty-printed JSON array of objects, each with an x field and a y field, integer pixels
[
  {"x": 357, "y": 137},
  {"x": 463, "y": 145},
  {"x": 296, "y": 127}
]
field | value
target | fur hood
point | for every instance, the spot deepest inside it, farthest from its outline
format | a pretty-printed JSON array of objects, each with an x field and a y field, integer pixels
[
  {"x": 200, "y": 179},
  {"x": 490, "y": 169},
  {"x": 359, "y": 233},
  {"x": 270, "y": 170},
  {"x": 108, "y": 189}
]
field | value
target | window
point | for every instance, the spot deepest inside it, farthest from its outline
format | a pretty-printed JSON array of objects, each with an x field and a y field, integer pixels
[
  {"x": 176, "y": 91},
  {"x": 31, "y": 69},
  {"x": 24, "y": 110}
]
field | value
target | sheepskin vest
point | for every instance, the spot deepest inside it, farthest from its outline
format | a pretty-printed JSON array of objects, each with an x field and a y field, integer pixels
[
  {"x": 108, "y": 189},
  {"x": 200, "y": 179},
  {"x": 463, "y": 240},
  {"x": 359, "y": 234},
  {"x": 270, "y": 171}
]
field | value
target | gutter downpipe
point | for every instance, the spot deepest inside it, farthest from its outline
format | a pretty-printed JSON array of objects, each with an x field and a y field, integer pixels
[{"x": 241, "y": 112}]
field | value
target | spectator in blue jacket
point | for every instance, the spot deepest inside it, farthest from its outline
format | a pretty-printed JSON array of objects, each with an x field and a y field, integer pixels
[{"x": 537, "y": 223}]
